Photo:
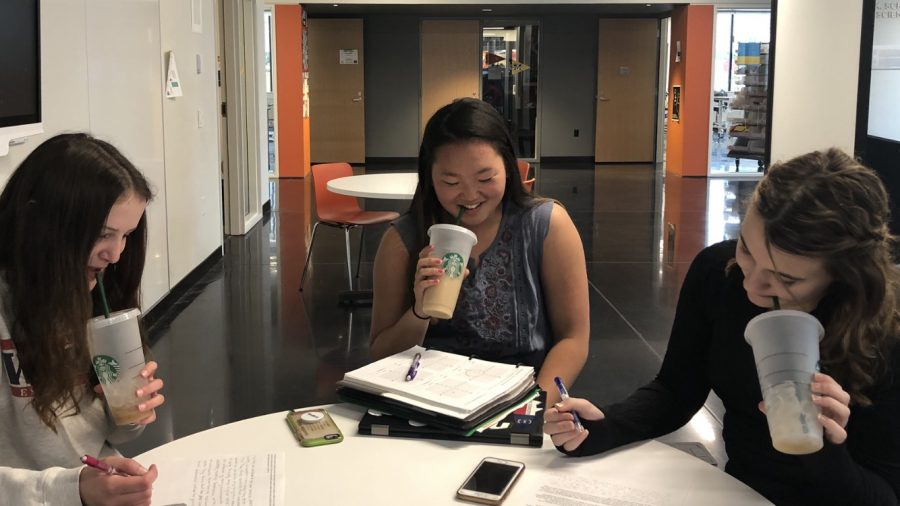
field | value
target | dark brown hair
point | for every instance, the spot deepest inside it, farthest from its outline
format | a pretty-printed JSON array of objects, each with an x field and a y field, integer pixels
[
  {"x": 463, "y": 120},
  {"x": 827, "y": 205},
  {"x": 52, "y": 211}
]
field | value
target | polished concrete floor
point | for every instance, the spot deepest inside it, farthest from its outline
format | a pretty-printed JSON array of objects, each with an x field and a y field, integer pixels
[{"x": 244, "y": 341}]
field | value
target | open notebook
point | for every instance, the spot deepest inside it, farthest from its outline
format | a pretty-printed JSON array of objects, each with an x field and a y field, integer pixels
[{"x": 447, "y": 384}]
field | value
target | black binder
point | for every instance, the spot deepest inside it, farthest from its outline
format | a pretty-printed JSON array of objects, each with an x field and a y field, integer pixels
[
  {"x": 523, "y": 426},
  {"x": 438, "y": 420}
]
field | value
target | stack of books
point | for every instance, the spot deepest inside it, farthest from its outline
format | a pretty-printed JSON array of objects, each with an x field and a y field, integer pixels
[{"x": 450, "y": 397}]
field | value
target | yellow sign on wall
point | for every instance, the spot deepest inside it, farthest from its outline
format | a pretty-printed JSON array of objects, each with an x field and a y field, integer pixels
[{"x": 518, "y": 66}]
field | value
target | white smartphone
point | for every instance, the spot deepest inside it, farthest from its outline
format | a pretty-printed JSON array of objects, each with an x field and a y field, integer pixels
[{"x": 490, "y": 482}]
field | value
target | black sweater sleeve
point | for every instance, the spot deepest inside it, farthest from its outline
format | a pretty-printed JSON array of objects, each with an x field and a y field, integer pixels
[
  {"x": 682, "y": 385},
  {"x": 865, "y": 470}
]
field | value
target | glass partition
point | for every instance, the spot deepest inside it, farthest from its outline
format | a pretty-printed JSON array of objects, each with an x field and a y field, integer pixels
[{"x": 509, "y": 80}]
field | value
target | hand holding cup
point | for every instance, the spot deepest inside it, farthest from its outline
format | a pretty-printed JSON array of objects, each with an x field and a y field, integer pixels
[{"x": 428, "y": 273}]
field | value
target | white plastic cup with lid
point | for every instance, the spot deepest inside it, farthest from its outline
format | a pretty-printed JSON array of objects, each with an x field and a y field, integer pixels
[
  {"x": 785, "y": 346},
  {"x": 452, "y": 244},
  {"x": 117, "y": 355}
]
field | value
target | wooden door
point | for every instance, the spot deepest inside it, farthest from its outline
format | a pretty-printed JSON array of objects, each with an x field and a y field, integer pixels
[
  {"x": 336, "y": 91},
  {"x": 451, "y": 64},
  {"x": 626, "y": 90}
]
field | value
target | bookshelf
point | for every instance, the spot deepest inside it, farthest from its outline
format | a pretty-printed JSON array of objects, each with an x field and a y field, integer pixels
[{"x": 746, "y": 116}]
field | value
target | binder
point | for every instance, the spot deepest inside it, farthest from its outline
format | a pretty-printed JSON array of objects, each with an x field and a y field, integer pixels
[
  {"x": 523, "y": 426},
  {"x": 451, "y": 391},
  {"x": 437, "y": 420}
]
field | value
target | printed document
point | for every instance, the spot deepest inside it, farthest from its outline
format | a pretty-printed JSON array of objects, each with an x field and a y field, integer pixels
[
  {"x": 559, "y": 488},
  {"x": 231, "y": 480}
]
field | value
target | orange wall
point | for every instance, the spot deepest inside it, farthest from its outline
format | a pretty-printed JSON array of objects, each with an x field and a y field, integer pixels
[
  {"x": 292, "y": 128},
  {"x": 687, "y": 143}
]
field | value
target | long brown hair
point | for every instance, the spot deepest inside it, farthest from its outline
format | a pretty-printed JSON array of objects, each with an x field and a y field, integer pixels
[
  {"x": 52, "y": 211},
  {"x": 825, "y": 204}
]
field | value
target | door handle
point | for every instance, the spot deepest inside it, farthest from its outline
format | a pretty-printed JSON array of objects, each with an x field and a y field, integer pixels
[
  {"x": 602, "y": 99},
  {"x": 357, "y": 99}
]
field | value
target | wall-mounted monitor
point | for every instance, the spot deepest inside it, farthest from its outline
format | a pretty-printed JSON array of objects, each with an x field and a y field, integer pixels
[
  {"x": 884, "y": 97},
  {"x": 20, "y": 71}
]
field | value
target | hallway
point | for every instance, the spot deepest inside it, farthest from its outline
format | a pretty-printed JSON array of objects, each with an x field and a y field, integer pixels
[{"x": 244, "y": 341}]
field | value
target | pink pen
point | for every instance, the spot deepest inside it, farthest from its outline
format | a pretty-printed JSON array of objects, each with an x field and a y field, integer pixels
[{"x": 103, "y": 466}]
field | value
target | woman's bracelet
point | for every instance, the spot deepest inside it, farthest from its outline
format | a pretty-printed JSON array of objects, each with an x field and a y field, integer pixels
[{"x": 417, "y": 314}]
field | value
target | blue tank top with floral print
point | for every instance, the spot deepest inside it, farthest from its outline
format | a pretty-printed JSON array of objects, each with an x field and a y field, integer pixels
[{"x": 500, "y": 314}]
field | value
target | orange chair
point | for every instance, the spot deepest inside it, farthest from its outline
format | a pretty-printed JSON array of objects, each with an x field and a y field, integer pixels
[
  {"x": 340, "y": 211},
  {"x": 524, "y": 167}
]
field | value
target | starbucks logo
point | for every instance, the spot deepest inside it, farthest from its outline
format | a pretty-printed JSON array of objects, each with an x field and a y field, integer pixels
[
  {"x": 107, "y": 369},
  {"x": 452, "y": 265}
]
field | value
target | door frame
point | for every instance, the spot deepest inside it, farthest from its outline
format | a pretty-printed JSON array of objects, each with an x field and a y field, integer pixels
[
  {"x": 241, "y": 176},
  {"x": 537, "y": 118},
  {"x": 665, "y": 32},
  {"x": 273, "y": 59}
]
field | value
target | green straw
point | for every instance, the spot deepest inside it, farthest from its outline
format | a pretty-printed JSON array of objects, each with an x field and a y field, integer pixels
[
  {"x": 459, "y": 215},
  {"x": 102, "y": 293}
]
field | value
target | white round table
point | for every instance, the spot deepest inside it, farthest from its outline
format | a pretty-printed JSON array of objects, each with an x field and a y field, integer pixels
[
  {"x": 393, "y": 185},
  {"x": 377, "y": 470}
]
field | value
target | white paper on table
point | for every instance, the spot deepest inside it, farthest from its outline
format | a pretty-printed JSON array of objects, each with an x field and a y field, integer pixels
[
  {"x": 565, "y": 488},
  {"x": 256, "y": 480}
]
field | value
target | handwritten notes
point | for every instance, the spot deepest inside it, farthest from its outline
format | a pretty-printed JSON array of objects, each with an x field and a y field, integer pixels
[{"x": 232, "y": 480}]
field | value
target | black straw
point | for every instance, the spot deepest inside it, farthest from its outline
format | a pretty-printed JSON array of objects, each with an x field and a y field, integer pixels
[
  {"x": 102, "y": 293},
  {"x": 459, "y": 215},
  {"x": 775, "y": 304}
]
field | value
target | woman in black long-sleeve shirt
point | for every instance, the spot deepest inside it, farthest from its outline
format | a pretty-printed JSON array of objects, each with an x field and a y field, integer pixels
[{"x": 815, "y": 238}]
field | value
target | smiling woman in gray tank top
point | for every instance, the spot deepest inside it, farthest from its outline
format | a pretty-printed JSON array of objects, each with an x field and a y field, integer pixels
[{"x": 525, "y": 297}]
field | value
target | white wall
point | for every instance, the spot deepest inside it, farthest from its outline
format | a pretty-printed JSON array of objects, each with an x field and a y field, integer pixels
[
  {"x": 125, "y": 107},
  {"x": 102, "y": 65},
  {"x": 261, "y": 103},
  {"x": 816, "y": 76},
  {"x": 193, "y": 191}
]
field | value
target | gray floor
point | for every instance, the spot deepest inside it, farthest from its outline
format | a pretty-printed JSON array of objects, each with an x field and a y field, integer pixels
[{"x": 245, "y": 342}]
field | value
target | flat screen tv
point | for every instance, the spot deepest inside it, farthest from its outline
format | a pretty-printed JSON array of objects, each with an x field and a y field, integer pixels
[
  {"x": 884, "y": 91},
  {"x": 20, "y": 70}
]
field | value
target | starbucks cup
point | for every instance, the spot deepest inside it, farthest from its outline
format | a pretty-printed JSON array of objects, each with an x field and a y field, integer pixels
[
  {"x": 786, "y": 349},
  {"x": 452, "y": 244},
  {"x": 117, "y": 354}
]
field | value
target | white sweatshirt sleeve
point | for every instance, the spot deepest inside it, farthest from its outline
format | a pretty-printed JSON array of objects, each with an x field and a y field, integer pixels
[{"x": 56, "y": 486}]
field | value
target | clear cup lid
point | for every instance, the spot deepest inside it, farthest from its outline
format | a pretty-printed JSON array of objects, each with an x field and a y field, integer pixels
[{"x": 114, "y": 318}]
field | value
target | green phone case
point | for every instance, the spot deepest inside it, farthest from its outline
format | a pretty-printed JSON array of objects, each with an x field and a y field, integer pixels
[{"x": 322, "y": 432}]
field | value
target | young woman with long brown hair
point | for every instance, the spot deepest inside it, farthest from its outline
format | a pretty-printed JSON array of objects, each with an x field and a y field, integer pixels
[
  {"x": 815, "y": 238},
  {"x": 75, "y": 207}
]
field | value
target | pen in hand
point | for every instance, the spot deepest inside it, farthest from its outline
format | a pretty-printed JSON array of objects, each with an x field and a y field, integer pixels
[
  {"x": 414, "y": 367},
  {"x": 564, "y": 395},
  {"x": 102, "y": 466}
]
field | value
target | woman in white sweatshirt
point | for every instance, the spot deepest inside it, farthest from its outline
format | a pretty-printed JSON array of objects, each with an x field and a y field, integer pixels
[{"x": 74, "y": 208}]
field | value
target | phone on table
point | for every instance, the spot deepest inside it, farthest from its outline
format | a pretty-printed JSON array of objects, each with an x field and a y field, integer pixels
[
  {"x": 313, "y": 427},
  {"x": 490, "y": 482}
]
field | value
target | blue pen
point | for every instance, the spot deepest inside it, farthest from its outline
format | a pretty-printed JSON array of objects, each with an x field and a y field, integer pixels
[
  {"x": 564, "y": 394},
  {"x": 414, "y": 367}
]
